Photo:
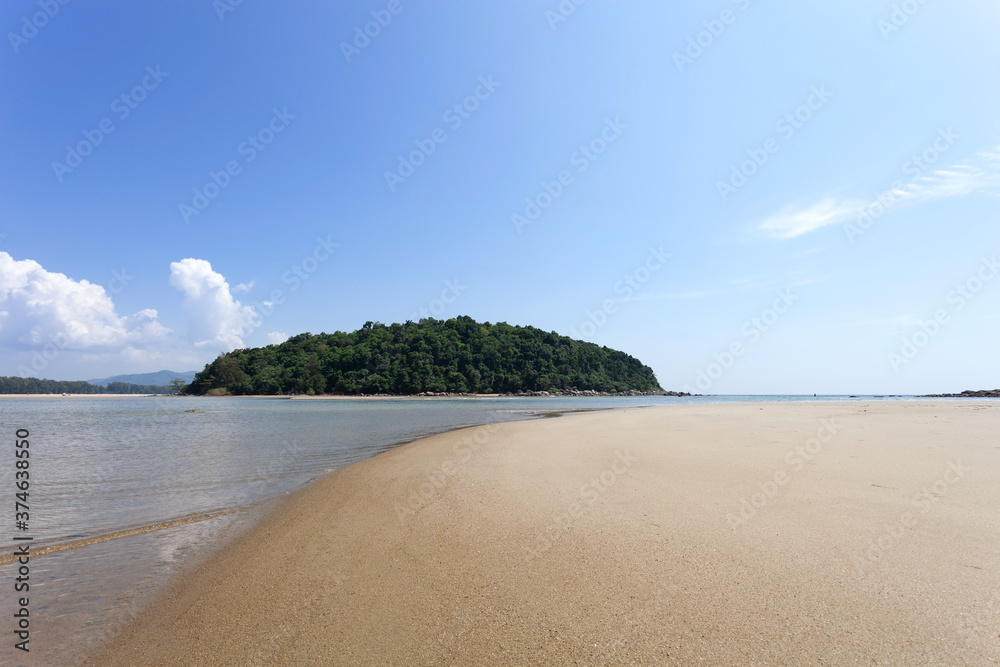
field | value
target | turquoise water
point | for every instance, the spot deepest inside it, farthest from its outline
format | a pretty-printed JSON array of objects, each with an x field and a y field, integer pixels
[{"x": 102, "y": 465}]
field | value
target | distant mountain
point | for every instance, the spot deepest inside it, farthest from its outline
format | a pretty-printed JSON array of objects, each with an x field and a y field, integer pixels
[{"x": 162, "y": 378}]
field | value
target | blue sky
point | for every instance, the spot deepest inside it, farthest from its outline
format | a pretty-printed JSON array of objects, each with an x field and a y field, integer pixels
[{"x": 271, "y": 170}]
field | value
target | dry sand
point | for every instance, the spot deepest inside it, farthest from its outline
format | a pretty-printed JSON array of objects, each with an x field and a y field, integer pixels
[{"x": 617, "y": 538}]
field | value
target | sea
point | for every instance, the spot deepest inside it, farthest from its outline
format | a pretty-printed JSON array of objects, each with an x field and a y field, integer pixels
[{"x": 124, "y": 492}]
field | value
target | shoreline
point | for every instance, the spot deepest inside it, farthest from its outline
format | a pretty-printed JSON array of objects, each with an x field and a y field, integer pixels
[
  {"x": 79, "y": 395},
  {"x": 507, "y": 562},
  {"x": 87, "y": 552},
  {"x": 805, "y": 398}
]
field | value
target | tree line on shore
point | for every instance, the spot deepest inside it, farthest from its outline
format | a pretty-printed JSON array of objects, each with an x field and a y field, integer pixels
[
  {"x": 30, "y": 385},
  {"x": 458, "y": 355}
]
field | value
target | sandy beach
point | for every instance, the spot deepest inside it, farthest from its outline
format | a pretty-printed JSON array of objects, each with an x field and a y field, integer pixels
[{"x": 753, "y": 534}]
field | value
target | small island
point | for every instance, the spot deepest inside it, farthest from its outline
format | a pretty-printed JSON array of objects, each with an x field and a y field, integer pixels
[{"x": 431, "y": 357}]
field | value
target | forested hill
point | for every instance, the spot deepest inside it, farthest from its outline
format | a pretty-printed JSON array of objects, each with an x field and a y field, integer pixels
[{"x": 458, "y": 355}]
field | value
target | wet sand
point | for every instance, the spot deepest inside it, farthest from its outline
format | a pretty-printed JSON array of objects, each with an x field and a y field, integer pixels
[{"x": 797, "y": 533}]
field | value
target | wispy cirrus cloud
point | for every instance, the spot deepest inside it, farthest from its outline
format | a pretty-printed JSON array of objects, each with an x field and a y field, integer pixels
[
  {"x": 794, "y": 221},
  {"x": 979, "y": 175}
]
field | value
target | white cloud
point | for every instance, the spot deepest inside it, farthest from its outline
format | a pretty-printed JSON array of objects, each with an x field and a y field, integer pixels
[
  {"x": 796, "y": 221},
  {"x": 980, "y": 175},
  {"x": 39, "y": 308},
  {"x": 56, "y": 326},
  {"x": 277, "y": 337},
  {"x": 244, "y": 287},
  {"x": 216, "y": 319}
]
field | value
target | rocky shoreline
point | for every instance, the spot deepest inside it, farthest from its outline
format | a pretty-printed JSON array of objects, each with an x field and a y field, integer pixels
[
  {"x": 568, "y": 392},
  {"x": 982, "y": 393},
  {"x": 447, "y": 394}
]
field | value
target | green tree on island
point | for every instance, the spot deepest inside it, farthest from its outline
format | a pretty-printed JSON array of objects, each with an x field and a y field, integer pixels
[{"x": 458, "y": 355}]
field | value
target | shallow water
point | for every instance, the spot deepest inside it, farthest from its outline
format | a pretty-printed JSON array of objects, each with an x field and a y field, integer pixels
[{"x": 127, "y": 489}]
